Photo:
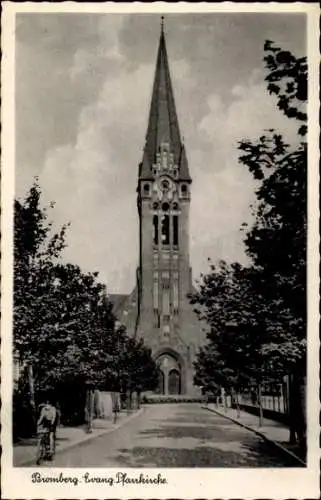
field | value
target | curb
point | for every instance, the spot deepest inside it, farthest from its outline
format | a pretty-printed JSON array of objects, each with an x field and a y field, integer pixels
[
  {"x": 258, "y": 433},
  {"x": 87, "y": 437}
]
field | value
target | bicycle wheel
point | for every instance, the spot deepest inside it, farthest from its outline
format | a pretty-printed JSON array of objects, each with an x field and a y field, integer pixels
[
  {"x": 40, "y": 449},
  {"x": 47, "y": 446}
]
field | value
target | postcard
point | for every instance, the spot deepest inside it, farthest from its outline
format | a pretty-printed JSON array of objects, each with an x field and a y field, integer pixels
[{"x": 159, "y": 250}]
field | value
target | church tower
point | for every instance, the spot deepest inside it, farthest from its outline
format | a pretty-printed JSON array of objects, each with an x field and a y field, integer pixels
[{"x": 166, "y": 319}]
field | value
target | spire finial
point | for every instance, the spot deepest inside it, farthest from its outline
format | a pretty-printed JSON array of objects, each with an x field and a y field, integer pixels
[{"x": 162, "y": 24}]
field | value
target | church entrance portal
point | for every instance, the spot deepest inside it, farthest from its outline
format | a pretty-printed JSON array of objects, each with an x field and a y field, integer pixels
[{"x": 169, "y": 375}]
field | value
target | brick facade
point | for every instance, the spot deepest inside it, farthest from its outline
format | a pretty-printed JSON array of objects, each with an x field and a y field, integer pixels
[{"x": 158, "y": 309}]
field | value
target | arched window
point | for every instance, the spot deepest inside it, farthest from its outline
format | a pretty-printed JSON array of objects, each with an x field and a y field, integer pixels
[
  {"x": 155, "y": 227},
  {"x": 175, "y": 230},
  {"x": 165, "y": 229},
  {"x": 184, "y": 189}
]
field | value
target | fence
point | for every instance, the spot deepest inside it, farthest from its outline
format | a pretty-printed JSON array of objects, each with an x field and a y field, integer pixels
[{"x": 272, "y": 402}]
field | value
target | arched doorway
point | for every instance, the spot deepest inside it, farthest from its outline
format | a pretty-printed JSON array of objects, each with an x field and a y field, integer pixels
[
  {"x": 174, "y": 382},
  {"x": 170, "y": 374}
]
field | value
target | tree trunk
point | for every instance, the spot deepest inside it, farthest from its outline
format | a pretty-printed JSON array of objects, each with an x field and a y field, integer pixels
[
  {"x": 297, "y": 417},
  {"x": 259, "y": 397},
  {"x": 128, "y": 401},
  {"x": 32, "y": 395},
  {"x": 237, "y": 404},
  {"x": 89, "y": 410}
]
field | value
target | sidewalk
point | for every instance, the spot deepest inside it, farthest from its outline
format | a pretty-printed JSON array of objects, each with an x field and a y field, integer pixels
[
  {"x": 271, "y": 430},
  {"x": 24, "y": 452}
]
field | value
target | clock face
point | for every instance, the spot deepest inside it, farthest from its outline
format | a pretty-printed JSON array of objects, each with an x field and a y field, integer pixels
[
  {"x": 165, "y": 185},
  {"x": 164, "y": 188}
]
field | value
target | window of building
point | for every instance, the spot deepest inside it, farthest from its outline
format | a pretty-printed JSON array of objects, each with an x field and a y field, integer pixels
[
  {"x": 155, "y": 205},
  {"x": 165, "y": 207},
  {"x": 165, "y": 229},
  {"x": 146, "y": 189},
  {"x": 156, "y": 318},
  {"x": 165, "y": 185},
  {"x": 175, "y": 230},
  {"x": 175, "y": 292},
  {"x": 155, "y": 227},
  {"x": 175, "y": 206},
  {"x": 166, "y": 304},
  {"x": 155, "y": 291},
  {"x": 184, "y": 189}
]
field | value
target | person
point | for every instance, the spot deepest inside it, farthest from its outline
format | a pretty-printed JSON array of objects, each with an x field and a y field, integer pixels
[
  {"x": 47, "y": 421},
  {"x": 56, "y": 424}
]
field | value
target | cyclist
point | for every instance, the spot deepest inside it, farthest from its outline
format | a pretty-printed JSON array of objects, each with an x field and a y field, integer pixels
[{"x": 47, "y": 421}]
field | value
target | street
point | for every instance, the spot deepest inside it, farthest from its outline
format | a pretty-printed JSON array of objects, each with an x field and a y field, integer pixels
[{"x": 175, "y": 435}]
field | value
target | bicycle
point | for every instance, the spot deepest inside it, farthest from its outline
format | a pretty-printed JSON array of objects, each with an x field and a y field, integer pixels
[{"x": 43, "y": 445}]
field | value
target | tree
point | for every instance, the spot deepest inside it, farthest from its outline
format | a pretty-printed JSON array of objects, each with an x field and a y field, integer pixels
[
  {"x": 235, "y": 314},
  {"x": 265, "y": 302},
  {"x": 277, "y": 241},
  {"x": 35, "y": 252},
  {"x": 62, "y": 320},
  {"x": 142, "y": 369}
]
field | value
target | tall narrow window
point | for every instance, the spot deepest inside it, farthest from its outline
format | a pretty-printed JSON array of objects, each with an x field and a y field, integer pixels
[
  {"x": 184, "y": 190},
  {"x": 155, "y": 226},
  {"x": 175, "y": 293},
  {"x": 155, "y": 291},
  {"x": 175, "y": 230},
  {"x": 165, "y": 230},
  {"x": 165, "y": 295},
  {"x": 165, "y": 302}
]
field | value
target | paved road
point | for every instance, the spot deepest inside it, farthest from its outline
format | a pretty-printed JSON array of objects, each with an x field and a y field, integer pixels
[{"x": 175, "y": 435}]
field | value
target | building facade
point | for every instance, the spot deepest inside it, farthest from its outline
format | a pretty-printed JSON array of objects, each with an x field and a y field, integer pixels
[{"x": 159, "y": 309}]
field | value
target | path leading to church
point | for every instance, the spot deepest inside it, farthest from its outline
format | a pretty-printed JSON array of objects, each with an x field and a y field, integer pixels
[{"x": 175, "y": 435}]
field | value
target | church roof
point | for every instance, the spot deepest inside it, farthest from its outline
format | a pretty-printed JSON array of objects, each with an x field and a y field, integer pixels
[
  {"x": 163, "y": 123},
  {"x": 118, "y": 300}
]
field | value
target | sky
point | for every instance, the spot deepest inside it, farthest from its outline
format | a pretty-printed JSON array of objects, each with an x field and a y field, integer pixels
[{"x": 83, "y": 89}]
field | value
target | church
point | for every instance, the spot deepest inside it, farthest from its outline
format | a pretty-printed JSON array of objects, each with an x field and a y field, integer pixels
[{"x": 158, "y": 309}]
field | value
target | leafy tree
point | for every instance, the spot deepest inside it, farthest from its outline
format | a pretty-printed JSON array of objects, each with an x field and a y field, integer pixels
[
  {"x": 141, "y": 367},
  {"x": 85, "y": 321},
  {"x": 265, "y": 302},
  {"x": 277, "y": 241},
  {"x": 62, "y": 319},
  {"x": 288, "y": 80},
  {"x": 235, "y": 314},
  {"x": 35, "y": 252}
]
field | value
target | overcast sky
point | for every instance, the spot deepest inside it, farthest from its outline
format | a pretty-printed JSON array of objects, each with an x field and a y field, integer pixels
[{"x": 83, "y": 89}]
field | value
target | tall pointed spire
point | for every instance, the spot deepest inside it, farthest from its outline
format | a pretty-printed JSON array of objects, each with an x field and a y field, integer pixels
[{"x": 163, "y": 123}]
